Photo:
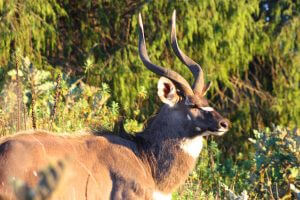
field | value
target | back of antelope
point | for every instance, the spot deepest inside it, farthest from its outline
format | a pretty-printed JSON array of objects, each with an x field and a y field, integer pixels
[{"x": 150, "y": 165}]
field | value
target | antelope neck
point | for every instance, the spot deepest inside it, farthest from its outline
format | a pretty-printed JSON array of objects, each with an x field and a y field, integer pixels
[{"x": 169, "y": 161}]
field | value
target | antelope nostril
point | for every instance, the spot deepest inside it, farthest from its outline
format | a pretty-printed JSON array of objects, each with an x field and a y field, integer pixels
[{"x": 224, "y": 124}]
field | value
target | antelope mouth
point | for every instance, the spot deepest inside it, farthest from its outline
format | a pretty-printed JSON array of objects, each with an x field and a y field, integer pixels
[{"x": 218, "y": 132}]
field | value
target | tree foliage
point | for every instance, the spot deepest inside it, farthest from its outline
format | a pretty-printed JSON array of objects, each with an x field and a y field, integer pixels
[{"x": 30, "y": 27}]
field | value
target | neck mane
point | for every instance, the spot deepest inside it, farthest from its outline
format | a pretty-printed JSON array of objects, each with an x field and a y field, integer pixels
[{"x": 169, "y": 156}]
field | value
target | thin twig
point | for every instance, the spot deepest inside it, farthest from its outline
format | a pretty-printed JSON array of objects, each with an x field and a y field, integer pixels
[
  {"x": 277, "y": 193},
  {"x": 270, "y": 186},
  {"x": 18, "y": 93},
  {"x": 33, "y": 116},
  {"x": 241, "y": 84},
  {"x": 56, "y": 100}
]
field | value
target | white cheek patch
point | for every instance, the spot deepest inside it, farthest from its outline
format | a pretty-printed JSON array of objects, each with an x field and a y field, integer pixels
[
  {"x": 198, "y": 129},
  {"x": 188, "y": 117},
  {"x": 161, "y": 196},
  {"x": 192, "y": 147},
  {"x": 208, "y": 109}
]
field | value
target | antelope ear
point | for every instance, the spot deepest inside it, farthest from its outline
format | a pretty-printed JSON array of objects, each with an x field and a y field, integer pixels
[
  {"x": 206, "y": 88},
  {"x": 166, "y": 91}
]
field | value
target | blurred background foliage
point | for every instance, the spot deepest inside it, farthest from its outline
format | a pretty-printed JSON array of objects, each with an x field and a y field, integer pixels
[{"x": 68, "y": 65}]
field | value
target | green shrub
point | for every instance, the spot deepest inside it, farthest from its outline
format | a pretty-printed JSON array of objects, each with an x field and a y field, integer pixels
[
  {"x": 277, "y": 161},
  {"x": 77, "y": 106}
]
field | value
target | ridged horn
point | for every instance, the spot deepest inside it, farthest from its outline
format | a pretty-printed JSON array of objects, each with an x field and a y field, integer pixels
[
  {"x": 194, "y": 67},
  {"x": 180, "y": 82}
]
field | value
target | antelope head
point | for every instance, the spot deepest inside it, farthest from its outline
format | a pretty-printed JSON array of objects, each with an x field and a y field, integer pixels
[{"x": 187, "y": 105}]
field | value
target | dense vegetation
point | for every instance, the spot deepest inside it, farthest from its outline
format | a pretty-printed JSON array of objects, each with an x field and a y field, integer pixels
[{"x": 68, "y": 65}]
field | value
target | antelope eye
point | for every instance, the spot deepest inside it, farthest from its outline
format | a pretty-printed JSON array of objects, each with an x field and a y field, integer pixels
[{"x": 193, "y": 106}]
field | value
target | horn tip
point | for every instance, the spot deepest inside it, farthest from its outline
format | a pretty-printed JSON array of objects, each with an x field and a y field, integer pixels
[
  {"x": 174, "y": 15},
  {"x": 174, "y": 20},
  {"x": 173, "y": 26},
  {"x": 141, "y": 27},
  {"x": 140, "y": 20}
]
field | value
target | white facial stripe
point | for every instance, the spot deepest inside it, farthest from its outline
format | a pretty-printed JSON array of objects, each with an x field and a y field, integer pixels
[
  {"x": 189, "y": 117},
  {"x": 192, "y": 146},
  {"x": 208, "y": 109}
]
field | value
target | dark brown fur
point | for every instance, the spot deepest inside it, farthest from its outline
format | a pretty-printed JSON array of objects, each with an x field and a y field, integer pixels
[{"x": 117, "y": 168}]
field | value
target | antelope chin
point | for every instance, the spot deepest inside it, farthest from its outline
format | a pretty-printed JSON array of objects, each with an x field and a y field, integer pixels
[{"x": 219, "y": 132}]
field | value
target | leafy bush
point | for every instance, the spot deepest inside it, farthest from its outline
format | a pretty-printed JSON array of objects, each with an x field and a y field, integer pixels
[
  {"x": 32, "y": 96},
  {"x": 277, "y": 159}
]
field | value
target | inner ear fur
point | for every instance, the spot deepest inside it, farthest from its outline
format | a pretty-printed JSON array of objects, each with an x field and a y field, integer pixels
[{"x": 166, "y": 91}]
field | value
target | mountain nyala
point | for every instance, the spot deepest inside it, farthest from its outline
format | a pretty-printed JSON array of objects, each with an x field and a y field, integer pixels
[{"x": 149, "y": 165}]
